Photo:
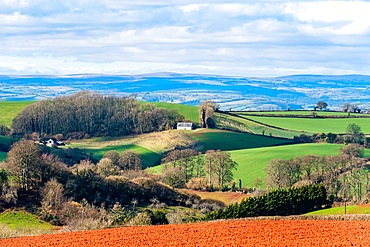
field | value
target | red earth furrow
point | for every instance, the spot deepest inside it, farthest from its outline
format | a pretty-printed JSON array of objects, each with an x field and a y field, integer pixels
[{"x": 222, "y": 233}]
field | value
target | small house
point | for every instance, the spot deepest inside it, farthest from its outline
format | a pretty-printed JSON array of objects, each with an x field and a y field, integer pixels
[
  {"x": 53, "y": 142},
  {"x": 185, "y": 126}
]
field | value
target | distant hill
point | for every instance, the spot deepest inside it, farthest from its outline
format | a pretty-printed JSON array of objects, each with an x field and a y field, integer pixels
[{"x": 236, "y": 93}]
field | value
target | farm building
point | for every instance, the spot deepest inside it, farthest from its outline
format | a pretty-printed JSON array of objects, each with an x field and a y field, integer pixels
[
  {"x": 52, "y": 142},
  {"x": 185, "y": 126}
]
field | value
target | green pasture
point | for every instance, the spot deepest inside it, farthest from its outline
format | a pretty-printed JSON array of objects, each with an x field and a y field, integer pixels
[
  {"x": 21, "y": 220},
  {"x": 2, "y": 156},
  {"x": 298, "y": 113},
  {"x": 315, "y": 125},
  {"x": 228, "y": 140},
  {"x": 252, "y": 162},
  {"x": 10, "y": 109},
  {"x": 245, "y": 125},
  {"x": 5, "y": 140},
  {"x": 148, "y": 157},
  {"x": 189, "y": 112},
  {"x": 354, "y": 209}
]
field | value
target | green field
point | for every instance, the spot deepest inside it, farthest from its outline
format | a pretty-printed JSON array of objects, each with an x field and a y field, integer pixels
[
  {"x": 10, "y": 109},
  {"x": 355, "y": 209},
  {"x": 228, "y": 140},
  {"x": 2, "y": 156},
  {"x": 245, "y": 125},
  {"x": 19, "y": 219},
  {"x": 297, "y": 113},
  {"x": 315, "y": 125},
  {"x": 149, "y": 158},
  {"x": 252, "y": 162},
  {"x": 5, "y": 140},
  {"x": 189, "y": 112}
]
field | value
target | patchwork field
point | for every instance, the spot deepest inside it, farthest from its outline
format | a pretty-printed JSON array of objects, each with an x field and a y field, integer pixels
[
  {"x": 223, "y": 233},
  {"x": 240, "y": 123},
  {"x": 297, "y": 113},
  {"x": 315, "y": 125}
]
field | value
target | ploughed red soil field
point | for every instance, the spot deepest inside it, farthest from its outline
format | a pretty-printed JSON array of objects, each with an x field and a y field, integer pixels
[{"x": 222, "y": 233}]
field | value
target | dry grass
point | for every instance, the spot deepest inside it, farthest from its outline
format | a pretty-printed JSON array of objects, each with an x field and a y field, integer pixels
[{"x": 158, "y": 142}]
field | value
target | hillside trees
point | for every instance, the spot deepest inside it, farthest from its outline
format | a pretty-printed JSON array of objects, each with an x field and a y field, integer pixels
[
  {"x": 90, "y": 114},
  {"x": 219, "y": 166},
  {"x": 345, "y": 173},
  {"x": 214, "y": 169},
  {"x": 206, "y": 114},
  {"x": 24, "y": 162}
]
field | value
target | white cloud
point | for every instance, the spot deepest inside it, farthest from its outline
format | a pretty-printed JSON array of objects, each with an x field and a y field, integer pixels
[
  {"x": 241, "y": 38},
  {"x": 332, "y": 17}
]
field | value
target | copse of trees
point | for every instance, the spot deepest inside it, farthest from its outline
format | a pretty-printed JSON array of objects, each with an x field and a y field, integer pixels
[
  {"x": 214, "y": 170},
  {"x": 282, "y": 202},
  {"x": 90, "y": 114},
  {"x": 342, "y": 175},
  {"x": 206, "y": 114}
]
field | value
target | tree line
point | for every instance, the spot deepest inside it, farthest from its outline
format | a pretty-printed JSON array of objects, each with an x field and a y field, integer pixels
[
  {"x": 91, "y": 114},
  {"x": 345, "y": 175},
  {"x": 282, "y": 202}
]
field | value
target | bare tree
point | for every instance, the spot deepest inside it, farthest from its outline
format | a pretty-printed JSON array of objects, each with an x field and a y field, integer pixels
[
  {"x": 220, "y": 164},
  {"x": 206, "y": 114},
  {"x": 130, "y": 160},
  {"x": 24, "y": 162}
]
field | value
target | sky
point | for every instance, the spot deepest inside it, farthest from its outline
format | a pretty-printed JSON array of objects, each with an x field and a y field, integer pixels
[{"x": 238, "y": 38}]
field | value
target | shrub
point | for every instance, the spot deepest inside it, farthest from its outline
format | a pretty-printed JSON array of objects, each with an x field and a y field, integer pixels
[
  {"x": 197, "y": 184},
  {"x": 141, "y": 219}
]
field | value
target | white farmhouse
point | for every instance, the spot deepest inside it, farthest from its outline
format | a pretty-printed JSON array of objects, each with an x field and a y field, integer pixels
[{"x": 185, "y": 126}]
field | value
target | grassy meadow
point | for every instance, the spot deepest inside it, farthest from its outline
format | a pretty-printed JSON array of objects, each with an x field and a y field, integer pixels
[
  {"x": 20, "y": 223},
  {"x": 189, "y": 112},
  {"x": 315, "y": 125},
  {"x": 225, "y": 197},
  {"x": 353, "y": 209},
  {"x": 10, "y": 109},
  {"x": 245, "y": 125},
  {"x": 252, "y": 162},
  {"x": 297, "y": 113},
  {"x": 214, "y": 139}
]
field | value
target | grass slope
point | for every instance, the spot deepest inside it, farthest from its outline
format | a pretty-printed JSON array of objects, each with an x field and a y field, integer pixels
[
  {"x": 252, "y": 162},
  {"x": 19, "y": 219},
  {"x": 2, "y": 156},
  {"x": 355, "y": 209},
  {"x": 226, "y": 197},
  {"x": 148, "y": 157},
  {"x": 245, "y": 125},
  {"x": 315, "y": 125},
  {"x": 188, "y": 111},
  {"x": 10, "y": 109},
  {"x": 213, "y": 139},
  {"x": 297, "y": 113}
]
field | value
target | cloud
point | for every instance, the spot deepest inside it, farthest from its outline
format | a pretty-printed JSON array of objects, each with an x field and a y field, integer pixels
[{"x": 239, "y": 38}]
